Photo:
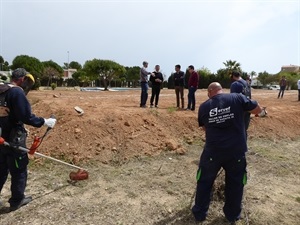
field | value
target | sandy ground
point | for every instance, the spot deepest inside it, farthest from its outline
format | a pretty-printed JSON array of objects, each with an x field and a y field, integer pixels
[{"x": 142, "y": 162}]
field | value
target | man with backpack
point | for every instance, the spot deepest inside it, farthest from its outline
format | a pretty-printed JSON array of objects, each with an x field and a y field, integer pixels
[
  {"x": 15, "y": 111},
  {"x": 239, "y": 85}
]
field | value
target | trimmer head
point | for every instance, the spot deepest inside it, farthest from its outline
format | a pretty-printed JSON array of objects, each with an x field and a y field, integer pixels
[{"x": 79, "y": 175}]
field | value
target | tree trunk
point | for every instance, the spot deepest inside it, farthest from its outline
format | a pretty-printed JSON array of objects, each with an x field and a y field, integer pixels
[{"x": 105, "y": 85}]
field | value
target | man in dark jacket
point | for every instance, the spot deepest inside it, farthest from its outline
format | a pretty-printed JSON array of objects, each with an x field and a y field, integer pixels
[
  {"x": 178, "y": 77},
  {"x": 156, "y": 79},
  {"x": 239, "y": 85},
  {"x": 192, "y": 85},
  {"x": 15, "y": 111}
]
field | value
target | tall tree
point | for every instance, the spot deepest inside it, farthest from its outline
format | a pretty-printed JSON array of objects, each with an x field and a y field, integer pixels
[
  {"x": 31, "y": 64},
  {"x": 53, "y": 65},
  {"x": 170, "y": 84},
  {"x": 264, "y": 78},
  {"x": 223, "y": 78},
  {"x": 132, "y": 75},
  {"x": 105, "y": 69},
  {"x": 82, "y": 78},
  {"x": 75, "y": 65},
  {"x": 232, "y": 65},
  {"x": 50, "y": 74},
  {"x": 206, "y": 77},
  {"x": 4, "y": 65},
  {"x": 252, "y": 74}
]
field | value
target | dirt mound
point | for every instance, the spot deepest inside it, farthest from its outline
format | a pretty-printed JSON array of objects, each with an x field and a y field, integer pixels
[
  {"x": 142, "y": 163},
  {"x": 113, "y": 128}
]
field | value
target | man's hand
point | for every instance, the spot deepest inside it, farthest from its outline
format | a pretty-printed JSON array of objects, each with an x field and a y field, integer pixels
[
  {"x": 50, "y": 122},
  {"x": 263, "y": 112}
]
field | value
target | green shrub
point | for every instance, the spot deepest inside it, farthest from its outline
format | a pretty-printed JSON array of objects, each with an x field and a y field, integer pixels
[{"x": 53, "y": 86}]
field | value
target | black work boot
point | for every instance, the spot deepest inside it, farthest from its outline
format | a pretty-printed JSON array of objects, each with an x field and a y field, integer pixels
[{"x": 24, "y": 201}]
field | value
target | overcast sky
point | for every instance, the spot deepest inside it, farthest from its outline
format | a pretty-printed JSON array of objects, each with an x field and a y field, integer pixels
[{"x": 261, "y": 35}]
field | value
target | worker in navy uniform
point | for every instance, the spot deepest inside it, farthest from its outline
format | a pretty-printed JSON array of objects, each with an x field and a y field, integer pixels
[
  {"x": 222, "y": 118},
  {"x": 239, "y": 85},
  {"x": 15, "y": 111}
]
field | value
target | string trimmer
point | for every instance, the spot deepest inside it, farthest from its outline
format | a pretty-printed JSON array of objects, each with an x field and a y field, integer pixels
[{"x": 81, "y": 174}]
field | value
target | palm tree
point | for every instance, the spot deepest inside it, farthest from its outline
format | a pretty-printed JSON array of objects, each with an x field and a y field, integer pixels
[
  {"x": 252, "y": 74},
  {"x": 232, "y": 65}
]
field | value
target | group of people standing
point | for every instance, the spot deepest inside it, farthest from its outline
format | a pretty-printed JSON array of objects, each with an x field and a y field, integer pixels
[
  {"x": 225, "y": 119},
  {"x": 156, "y": 79}
]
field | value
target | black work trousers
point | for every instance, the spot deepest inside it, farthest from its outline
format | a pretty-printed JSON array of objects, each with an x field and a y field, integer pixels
[
  {"x": 14, "y": 163},
  {"x": 155, "y": 94},
  {"x": 234, "y": 165}
]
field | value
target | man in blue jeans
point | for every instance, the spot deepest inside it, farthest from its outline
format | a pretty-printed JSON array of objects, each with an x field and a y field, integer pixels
[
  {"x": 282, "y": 84},
  {"x": 192, "y": 85},
  {"x": 222, "y": 118},
  {"x": 144, "y": 84}
]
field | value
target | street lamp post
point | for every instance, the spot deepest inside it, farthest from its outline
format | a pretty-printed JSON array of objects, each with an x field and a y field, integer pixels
[{"x": 68, "y": 59}]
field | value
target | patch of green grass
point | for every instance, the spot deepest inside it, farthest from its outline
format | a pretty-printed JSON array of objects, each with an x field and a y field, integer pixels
[
  {"x": 298, "y": 199},
  {"x": 172, "y": 109}
]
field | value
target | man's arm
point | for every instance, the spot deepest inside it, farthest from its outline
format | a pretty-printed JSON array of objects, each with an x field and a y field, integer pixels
[
  {"x": 258, "y": 109},
  {"x": 22, "y": 110},
  {"x": 144, "y": 72},
  {"x": 181, "y": 74},
  {"x": 200, "y": 122},
  {"x": 161, "y": 77},
  {"x": 252, "y": 106}
]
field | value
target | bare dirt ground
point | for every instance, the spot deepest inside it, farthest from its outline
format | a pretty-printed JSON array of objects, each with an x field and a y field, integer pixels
[{"x": 142, "y": 162}]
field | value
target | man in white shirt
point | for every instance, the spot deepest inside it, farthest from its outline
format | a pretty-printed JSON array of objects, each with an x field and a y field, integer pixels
[{"x": 144, "y": 84}]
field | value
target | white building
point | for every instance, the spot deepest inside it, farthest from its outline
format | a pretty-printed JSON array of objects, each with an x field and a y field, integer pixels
[
  {"x": 68, "y": 73},
  {"x": 290, "y": 68}
]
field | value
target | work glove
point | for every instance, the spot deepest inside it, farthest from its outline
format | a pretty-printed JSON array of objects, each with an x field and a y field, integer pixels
[
  {"x": 50, "y": 122},
  {"x": 263, "y": 113}
]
